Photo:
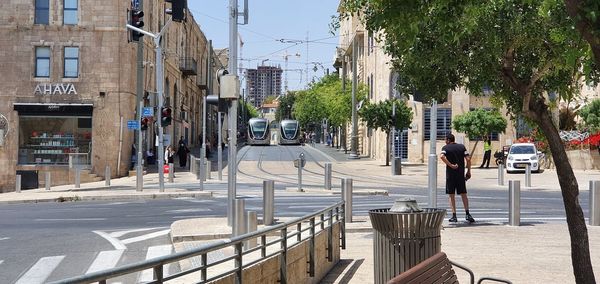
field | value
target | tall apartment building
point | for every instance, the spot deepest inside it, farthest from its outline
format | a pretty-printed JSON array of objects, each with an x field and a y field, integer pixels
[
  {"x": 69, "y": 86},
  {"x": 263, "y": 82}
]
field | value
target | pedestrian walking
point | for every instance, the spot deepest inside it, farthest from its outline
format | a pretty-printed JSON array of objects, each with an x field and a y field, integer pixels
[
  {"x": 455, "y": 156},
  {"x": 487, "y": 152},
  {"x": 182, "y": 152}
]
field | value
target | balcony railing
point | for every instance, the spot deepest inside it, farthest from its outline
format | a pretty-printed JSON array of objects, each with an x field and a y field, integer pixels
[{"x": 188, "y": 66}]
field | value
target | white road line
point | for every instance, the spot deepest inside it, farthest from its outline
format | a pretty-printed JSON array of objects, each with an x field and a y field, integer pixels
[
  {"x": 105, "y": 260},
  {"x": 1, "y": 261},
  {"x": 146, "y": 236},
  {"x": 113, "y": 241},
  {"x": 190, "y": 210},
  {"x": 155, "y": 251},
  {"x": 80, "y": 219},
  {"x": 2, "y": 239},
  {"x": 40, "y": 271},
  {"x": 119, "y": 234}
]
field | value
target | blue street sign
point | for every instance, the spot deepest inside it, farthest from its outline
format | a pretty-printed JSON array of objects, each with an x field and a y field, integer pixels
[
  {"x": 147, "y": 111},
  {"x": 133, "y": 124}
]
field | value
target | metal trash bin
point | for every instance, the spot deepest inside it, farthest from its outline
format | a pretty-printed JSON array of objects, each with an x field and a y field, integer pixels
[{"x": 401, "y": 240}]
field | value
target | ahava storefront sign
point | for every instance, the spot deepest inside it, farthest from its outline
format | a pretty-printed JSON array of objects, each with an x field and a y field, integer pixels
[{"x": 55, "y": 89}]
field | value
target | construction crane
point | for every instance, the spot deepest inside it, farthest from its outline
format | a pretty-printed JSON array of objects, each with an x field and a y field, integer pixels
[{"x": 285, "y": 57}]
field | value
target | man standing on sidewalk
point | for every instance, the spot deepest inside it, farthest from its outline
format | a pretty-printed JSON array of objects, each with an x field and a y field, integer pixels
[{"x": 454, "y": 156}]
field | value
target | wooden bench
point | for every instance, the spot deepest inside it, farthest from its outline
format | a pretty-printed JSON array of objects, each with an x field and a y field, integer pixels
[{"x": 436, "y": 269}]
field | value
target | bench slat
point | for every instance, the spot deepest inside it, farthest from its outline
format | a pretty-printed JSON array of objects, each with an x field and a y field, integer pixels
[{"x": 436, "y": 269}]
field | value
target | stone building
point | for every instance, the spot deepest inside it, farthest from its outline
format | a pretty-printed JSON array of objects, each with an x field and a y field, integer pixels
[
  {"x": 375, "y": 71},
  {"x": 69, "y": 86}
]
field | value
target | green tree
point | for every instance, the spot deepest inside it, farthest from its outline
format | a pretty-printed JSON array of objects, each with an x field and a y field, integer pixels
[
  {"x": 478, "y": 123},
  {"x": 591, "y": 115},
  {"x": 309, "y": 108},
  {"x": 285, "y": 106},
  {"x": 520, "y": 49},
  {"x": 379, "y": 116},
  {"x": 269, "y": 100}
]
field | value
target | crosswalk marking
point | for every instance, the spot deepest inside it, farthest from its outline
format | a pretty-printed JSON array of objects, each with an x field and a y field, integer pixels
[
  {"x": 155, "y": 251},
  {"x": 40, "y": 271},
  {"x": 146, "y": 236},
  {"x": 1, "y": 261},
  {"x": 105, "y": 260},
  {"x": 122, "y": 233}
]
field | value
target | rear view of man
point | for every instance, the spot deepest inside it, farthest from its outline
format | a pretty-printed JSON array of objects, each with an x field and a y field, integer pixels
[{"x": 454, "y": 156}]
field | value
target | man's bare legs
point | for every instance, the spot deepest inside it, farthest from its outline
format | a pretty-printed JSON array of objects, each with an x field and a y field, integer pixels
[
  {"x": 452, "y": 206},
  {"x": 465, "y": 201}
]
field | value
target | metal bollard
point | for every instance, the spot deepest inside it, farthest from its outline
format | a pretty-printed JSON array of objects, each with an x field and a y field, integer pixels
[
  {"x": 501, "y": 174},
  {"x": 594, "y": 218},
  {"x": 192, "y": 164},
  {"x": 208, "y": 166},
  {"x": 268, "y": 202},
  {"x": 18, "y": 184},
  {"x": 48, "y": 180},
  {"x": 198, "y": 168},
  {"x": 347, "y": 197},
  {"x": 171, "y": 172},
  {"x": 239, "y": 224},
  {"x": 528, "y": 175},
  {"x": 77, "y": 178},
  {"x": 300, "y": 160},
  {"x": 514, "y": 202},
  {"x": 327, "y": 176},
  {"x": 107, "y": 176},
  {"x": 252, "y": 227}
]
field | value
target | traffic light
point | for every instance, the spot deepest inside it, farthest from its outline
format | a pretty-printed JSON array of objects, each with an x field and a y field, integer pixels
[
  {"x": 136, "y": 21},
  {"x": 177, "y": 10},
  {"x": 165, "y": 117},
  {"x": 144, "y": 124}
]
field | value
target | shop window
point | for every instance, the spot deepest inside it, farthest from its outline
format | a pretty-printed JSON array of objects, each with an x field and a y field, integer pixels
[
  {"x": 71, "y": 63},
  {"x": 42, "y": 12},
  {"x": 45, "y": 140},
  {"x": 70, "y": 12},
  {"x": 42, "y": 62}
]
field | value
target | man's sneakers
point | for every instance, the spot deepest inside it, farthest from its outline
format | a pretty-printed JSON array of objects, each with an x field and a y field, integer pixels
[
  {"x": 453, "y": 219},
  {"x": 468, "y": 218}
]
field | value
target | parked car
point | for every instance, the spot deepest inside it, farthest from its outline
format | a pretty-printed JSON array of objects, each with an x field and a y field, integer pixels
[{"x": 520, "y": 155}]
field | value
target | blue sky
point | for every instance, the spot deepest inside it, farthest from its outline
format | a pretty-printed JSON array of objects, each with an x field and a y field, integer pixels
[{"x": 271, "y": 21}]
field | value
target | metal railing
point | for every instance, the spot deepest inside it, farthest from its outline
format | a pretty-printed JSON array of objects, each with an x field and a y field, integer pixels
[{"x": 320, "y": 221}]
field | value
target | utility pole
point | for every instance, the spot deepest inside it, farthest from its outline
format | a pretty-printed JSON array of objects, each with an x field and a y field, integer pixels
[
  {"x": 139, "y": 184},
  {"x": 354, "y": 138},
  {"x": 432, "y": 162}
]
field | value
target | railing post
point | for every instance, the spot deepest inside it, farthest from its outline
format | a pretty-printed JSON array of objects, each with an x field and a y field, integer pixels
[
  {"x": 347, "y": 195},
  {"x": 239, "y": 226},
  {"x": 238, "y": 263},
  {"x": 252, "y": 227},
  {"x": 594, "y": 218},
  {"x": 158, "y": 273},
  {"x": 268, "y": 202},
  {"x": 77, "y": 177},
  {"x": 330, "y": 237},
  {"x": 18, "y": 184},
  {"x": 342, "y": 224},
  {"x": 204, "y": 259},
  {"x": 283, "y": 257},
  {"x": 171, "y": 172},
  {"x": 48, "y": 180},
  {"x": 514, "y": 202},
  {"x": 501, "y": 174},
  {"x": 263, "y": 246},
  {"x": 527, "y": 175},
  {"x": 328, "y": 176},
  {"x": 107, "y": 176},
  {"x": 311, "y": 250}
]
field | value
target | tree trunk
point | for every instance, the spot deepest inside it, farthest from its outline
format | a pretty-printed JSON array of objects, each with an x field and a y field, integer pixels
[
  {"x": 387, "y": 150},
  {"x": 474, "y": 147},
  {"x": 580, "y": 248},
  {"x": 584, "y": 26}
]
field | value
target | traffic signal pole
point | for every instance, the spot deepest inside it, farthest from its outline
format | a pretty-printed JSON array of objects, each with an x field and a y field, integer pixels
[
  {"x": 139, "y": 184},
  {"x": 232, "y": 157}
]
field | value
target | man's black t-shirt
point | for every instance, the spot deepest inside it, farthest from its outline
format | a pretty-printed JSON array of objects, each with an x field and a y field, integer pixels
[{"x": 455, "y": 153}]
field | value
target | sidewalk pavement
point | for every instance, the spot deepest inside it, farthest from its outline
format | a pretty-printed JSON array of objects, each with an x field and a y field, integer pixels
[{"x": 530, "y": 253}]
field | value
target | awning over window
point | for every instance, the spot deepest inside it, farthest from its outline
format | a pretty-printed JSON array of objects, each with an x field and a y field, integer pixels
[{"x": 54, "y": 109}]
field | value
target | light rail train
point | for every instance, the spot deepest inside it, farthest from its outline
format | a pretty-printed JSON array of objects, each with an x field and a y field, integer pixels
[{"x": 258, "y": 132}]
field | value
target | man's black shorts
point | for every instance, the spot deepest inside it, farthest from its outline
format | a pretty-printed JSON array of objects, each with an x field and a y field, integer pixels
[{"x": 455, "y": 185}]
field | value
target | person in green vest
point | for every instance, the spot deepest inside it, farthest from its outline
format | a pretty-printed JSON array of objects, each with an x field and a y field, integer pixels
[{"x": 487, "y": 148}]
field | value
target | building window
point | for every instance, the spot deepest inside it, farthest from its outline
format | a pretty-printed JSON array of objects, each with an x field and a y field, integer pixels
[
  {"x": 71, "y": 62},
  {"x": 70, "y": 12},
  {"x": 444, "y": 123},
  {"x": 42, "y": 12},
  {"x": 49, "y": 140},
  {"x": 42, "y": 62}
]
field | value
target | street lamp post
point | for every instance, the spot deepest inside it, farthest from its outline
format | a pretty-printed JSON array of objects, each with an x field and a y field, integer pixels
[{"x": 354, "y": 138}]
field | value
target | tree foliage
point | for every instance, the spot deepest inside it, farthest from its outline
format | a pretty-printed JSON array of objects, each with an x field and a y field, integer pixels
[
  {"x": 591, "y": 115},
  {"x": 250, "y": 110},
  {"x": 379, "y": 115},
  {"x": 479, "y": 123},
  {"x": 286, "y": 103},
  {"x": 520, "y": 49}
]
